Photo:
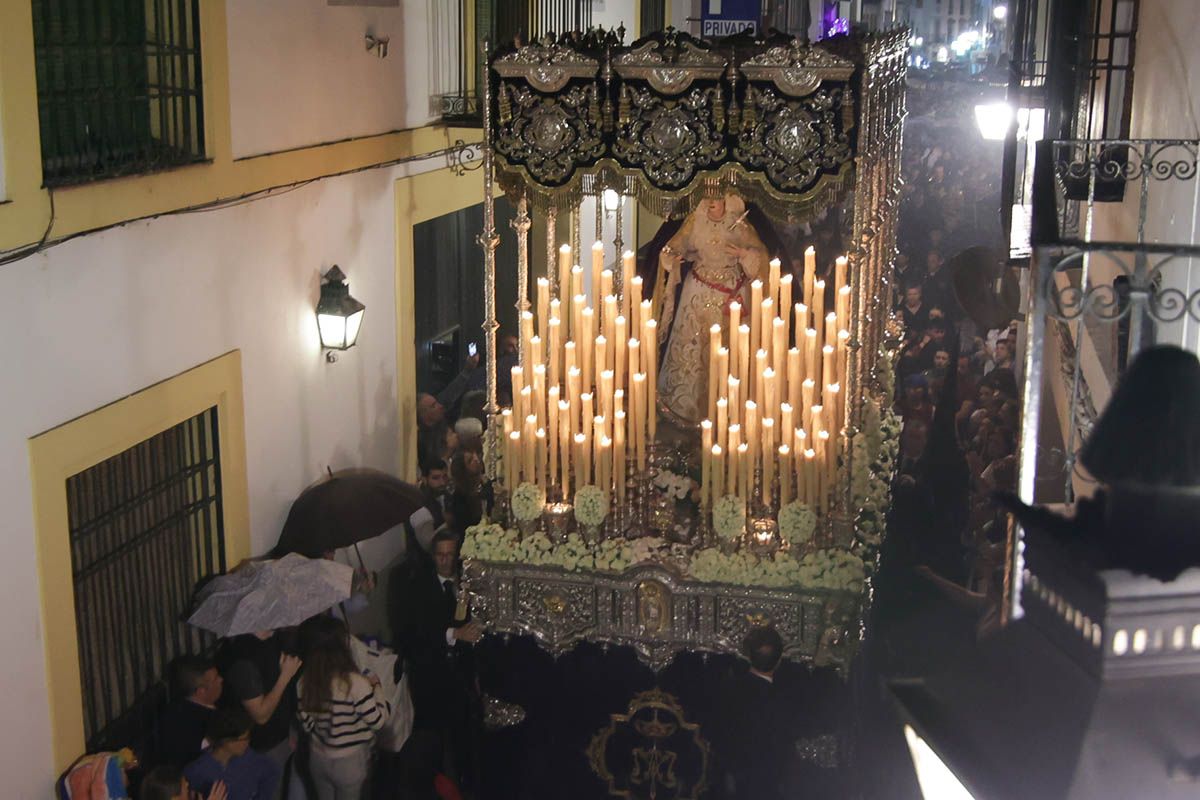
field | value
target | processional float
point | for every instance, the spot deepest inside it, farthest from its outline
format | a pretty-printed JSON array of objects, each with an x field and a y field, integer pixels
[{"x": 758, "y": 494}]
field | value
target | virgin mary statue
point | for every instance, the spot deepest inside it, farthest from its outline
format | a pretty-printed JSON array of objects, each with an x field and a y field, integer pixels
[{"x": 707, "y": 264}]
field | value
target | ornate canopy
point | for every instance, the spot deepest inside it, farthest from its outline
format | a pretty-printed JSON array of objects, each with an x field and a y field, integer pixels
[{"x": 670, "y": 116}]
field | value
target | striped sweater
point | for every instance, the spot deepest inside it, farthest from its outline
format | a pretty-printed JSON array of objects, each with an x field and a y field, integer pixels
[{"x": 356, "y": 711}]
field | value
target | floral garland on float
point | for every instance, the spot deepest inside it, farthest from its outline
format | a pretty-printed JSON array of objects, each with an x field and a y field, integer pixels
[{"x": 803, "y": 560}]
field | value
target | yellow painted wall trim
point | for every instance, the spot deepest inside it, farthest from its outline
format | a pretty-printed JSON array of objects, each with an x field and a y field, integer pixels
[
  {"x": 105, "y": 203},
  {"x": 420, "y": 199},
  {"x": 86, "y": 441}
]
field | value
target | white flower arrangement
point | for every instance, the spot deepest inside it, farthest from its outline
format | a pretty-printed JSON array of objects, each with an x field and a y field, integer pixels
[
  {"x": 528, "y": 502},
  {"x": 832, "y": 569},
  {"x": 489, "y": 542},
  {"x": 649, "y": 548},
  {"x": 797, "y": 523},
  {"x": 871, "y": 478},
  {"x": 677, "y": 487},
  {"x": 591, "y": 506},
  {"x": 572, "y": 555},
  {"x": 613, "y": 555},
  {"x": 729, "y": 517},
  {"x": 535, "y": 549},
  {"x": 838, "y": 570}
]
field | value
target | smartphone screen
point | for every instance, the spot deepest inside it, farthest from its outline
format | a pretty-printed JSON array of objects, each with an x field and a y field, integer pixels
[{"x": 472, "y": 349}]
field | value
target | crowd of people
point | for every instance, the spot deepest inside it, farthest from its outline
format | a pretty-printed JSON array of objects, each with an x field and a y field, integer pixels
[
  {"x": 956, "y": 381},
  {"x": 289, "y": 713}
]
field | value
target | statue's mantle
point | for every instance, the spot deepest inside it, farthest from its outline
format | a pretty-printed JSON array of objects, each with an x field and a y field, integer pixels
[{"x": 658, "y": 613}]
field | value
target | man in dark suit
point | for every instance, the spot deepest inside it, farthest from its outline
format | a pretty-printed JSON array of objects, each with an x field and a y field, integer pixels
[
  {"x": 433, "y": 628},
  {"x": 756, "y": 743},
  {"x": 195, "y": 689}
]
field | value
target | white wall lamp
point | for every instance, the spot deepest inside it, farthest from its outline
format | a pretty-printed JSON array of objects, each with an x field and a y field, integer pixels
[
  {"x": 339, "y": 316},
  {"x": 378, "y": 45}
]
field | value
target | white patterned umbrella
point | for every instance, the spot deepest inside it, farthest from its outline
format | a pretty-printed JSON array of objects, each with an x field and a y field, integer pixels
[{"x": 268, "y": 595}]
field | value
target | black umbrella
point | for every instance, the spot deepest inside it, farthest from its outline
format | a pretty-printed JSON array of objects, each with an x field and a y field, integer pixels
[
  {"x": 346, "y": 508},
  {"x": 985, "y": 287}
]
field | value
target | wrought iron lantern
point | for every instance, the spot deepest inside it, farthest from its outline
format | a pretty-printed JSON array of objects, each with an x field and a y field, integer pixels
[{"x": 339, "y": 316}]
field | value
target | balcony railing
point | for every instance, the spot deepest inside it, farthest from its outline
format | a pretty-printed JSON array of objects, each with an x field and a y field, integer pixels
[
  {"x": 1112, "y": 272},
  {"x": 459, "y": 25}
]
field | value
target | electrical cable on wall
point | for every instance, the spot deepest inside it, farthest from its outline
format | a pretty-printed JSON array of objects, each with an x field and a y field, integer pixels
[{"x": 456, "y": 155}]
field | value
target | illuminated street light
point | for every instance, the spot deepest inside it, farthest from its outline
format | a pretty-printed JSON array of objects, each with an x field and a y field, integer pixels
[
  {"x": 994, "y": 120},
  {"x": 1000, "y": 13}
]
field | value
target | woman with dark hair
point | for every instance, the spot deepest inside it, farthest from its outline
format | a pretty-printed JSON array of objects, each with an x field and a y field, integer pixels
[
  {"x": 1145, "y": 451},
  {"x": 340, "y": 708},
  {"x": 466, "y": 502}
]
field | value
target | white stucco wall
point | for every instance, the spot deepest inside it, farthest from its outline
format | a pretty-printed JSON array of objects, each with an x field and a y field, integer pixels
[
  {"x": 611, "y": 14},
  {"x": 300, "y": 73},
  {"x": 106, "y": 315}
]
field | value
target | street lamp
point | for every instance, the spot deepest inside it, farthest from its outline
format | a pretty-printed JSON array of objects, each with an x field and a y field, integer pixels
[
  {"x": 339, "y": 316},
  {"x": 1000, "y": 13},
  {"x": 994, "y": 120}
]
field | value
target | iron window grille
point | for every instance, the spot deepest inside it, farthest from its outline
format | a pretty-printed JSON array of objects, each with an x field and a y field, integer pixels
[
  {"x": 145, "y": 527},
  {"x": 119, "y": 87}
]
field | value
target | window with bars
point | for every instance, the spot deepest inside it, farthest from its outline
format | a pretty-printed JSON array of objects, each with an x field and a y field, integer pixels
[
  {"x": 145, "y": 527},
  {"x": 119, "y": 87}
]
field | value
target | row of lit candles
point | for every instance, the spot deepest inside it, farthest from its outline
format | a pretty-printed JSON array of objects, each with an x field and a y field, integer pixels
[
  {"x": 568, "y": 422},
  {"x": 552, "y": 439},
  {"x": 761, "y": 412}
]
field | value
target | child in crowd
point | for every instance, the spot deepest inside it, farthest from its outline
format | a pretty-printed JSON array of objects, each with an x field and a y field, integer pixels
[{"x": 229, "y": 761}]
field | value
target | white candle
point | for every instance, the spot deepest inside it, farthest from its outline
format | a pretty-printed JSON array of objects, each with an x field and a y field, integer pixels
[
  {"x": 767, "y": 329},
  {"x": 553, "y": 431},
  {"x": 555, "y": 328},
  {"x": 637, "y": 423},
  {"x": 583, "y": 464},
  {"x": 597, "y": 268},
  {"x": 565, "y": 440},
  {"x": 564, "y": 271},
  {"x": 718, "y": 472},
  {"x": 529, "y": 449},
  {"x": 587, "y": 347},
  {"x": 650, "y": 351},
  {"x": 785, "y": 302},
  {"x": 619, "y": 423},
  {"x": 706, "y": 444},
  {"x": 620, "y": 344},
  {"x": 768, "y": 462},
  {"x": 538, "y": 397},
  {"x": 628, "y": 272},
  {"x": 540, "y": 467},
  {"x": 810, "y": 270},
  {"x": 601, "y": 357},
  {"x": 634, "y": 303},
  {"x": 785, "y": 474},
  {"x": 722, "y": 420},
  {"x": 543, "y": 307},
  {"x": 714, "y": 378}
]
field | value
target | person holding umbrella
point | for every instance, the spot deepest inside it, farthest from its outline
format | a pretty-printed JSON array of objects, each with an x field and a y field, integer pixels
[{"x": 248, "y": 607}]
